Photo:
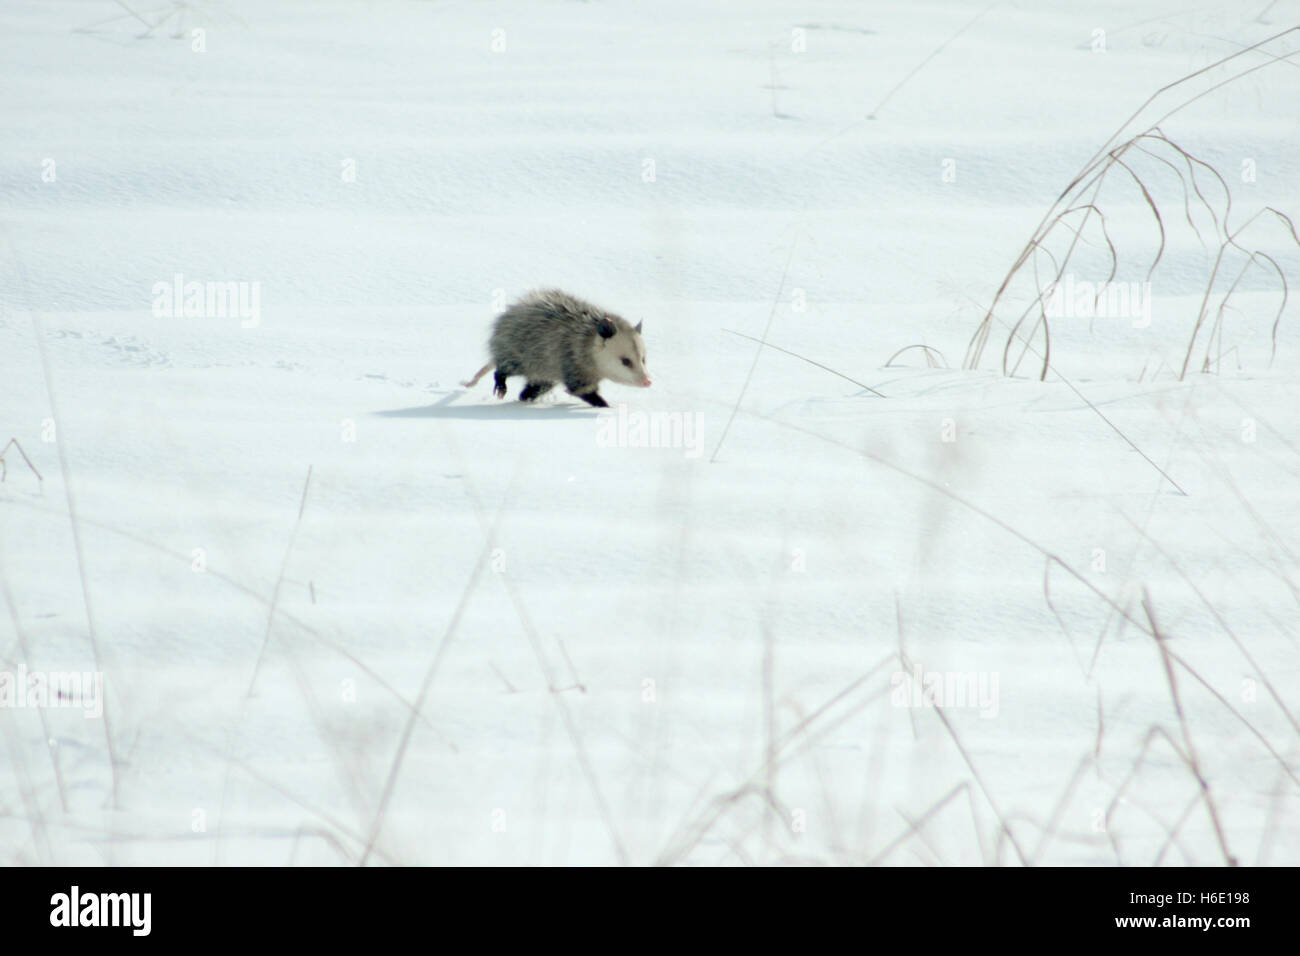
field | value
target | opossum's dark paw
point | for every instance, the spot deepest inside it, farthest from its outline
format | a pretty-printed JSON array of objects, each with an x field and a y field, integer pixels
[
  {"x": 593, "y": 398},
  {"x": 499, "y": 391},
  {"x": 534, "y": 390}
]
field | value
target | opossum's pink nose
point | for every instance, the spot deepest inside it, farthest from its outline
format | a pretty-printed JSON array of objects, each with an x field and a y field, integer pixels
[{"x": 646, "y": 383}]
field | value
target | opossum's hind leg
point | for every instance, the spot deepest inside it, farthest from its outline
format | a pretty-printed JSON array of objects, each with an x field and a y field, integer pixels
[
  {"x": 504, "y": 371},
  {"x": 478, "y": 375},
  {"x": 535, "y": 390},
  {"x": 593, "y": 398}
]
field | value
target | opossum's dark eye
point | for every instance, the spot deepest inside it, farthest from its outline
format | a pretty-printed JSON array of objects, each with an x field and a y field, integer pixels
[{"x": 627, "y": 362}]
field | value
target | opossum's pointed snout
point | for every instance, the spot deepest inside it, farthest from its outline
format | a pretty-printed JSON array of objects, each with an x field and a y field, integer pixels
[{"x": 645, "y": 382}]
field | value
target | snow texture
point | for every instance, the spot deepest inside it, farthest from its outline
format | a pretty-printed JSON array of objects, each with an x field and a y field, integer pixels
[{"x": 345, "y": 611}]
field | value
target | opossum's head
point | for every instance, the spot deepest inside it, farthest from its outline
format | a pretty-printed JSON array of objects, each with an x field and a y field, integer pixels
[{"x": 620, "y": 353}]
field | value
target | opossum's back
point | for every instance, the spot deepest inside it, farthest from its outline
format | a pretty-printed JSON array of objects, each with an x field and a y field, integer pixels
[{"x": 540, "y": 329}]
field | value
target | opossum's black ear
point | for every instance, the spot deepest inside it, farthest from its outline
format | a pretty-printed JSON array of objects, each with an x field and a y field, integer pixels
[
  {"x": 637, "y": 330},
  {"x": 605, "y": 328}
]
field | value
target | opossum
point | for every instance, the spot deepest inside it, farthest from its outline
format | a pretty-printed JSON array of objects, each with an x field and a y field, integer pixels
[{"x": 551, "y": 337}]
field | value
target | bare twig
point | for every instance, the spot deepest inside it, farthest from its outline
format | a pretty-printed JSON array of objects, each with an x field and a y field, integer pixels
[
  {"x": 275, "y": 592},
  {"x": 805, "y": 359}
]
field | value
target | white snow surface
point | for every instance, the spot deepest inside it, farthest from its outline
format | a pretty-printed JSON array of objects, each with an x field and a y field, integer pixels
[{"x": 346, "y": 611}]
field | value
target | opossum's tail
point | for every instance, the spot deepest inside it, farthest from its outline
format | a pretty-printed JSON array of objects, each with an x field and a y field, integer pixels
[{"x": 478, "y": 375}]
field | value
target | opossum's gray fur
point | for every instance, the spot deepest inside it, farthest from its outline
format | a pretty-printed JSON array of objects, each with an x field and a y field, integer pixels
[{"x": 552, "y": 337}]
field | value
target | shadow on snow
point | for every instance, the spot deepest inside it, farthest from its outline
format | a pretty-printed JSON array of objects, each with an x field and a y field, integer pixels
[{"x": 498, "y": 411}]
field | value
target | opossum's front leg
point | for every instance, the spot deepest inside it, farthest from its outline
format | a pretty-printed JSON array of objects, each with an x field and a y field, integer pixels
[{"x": 580, "y": 385}]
